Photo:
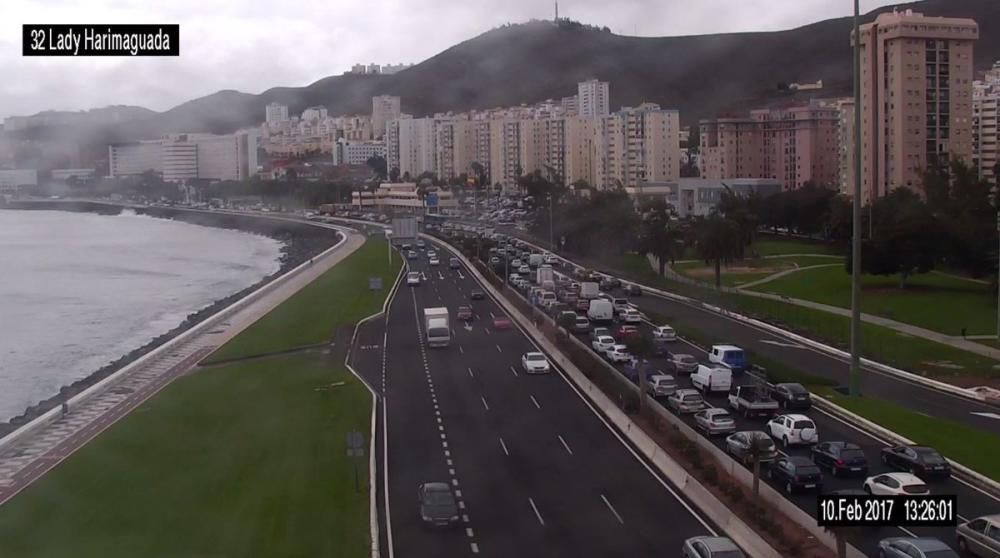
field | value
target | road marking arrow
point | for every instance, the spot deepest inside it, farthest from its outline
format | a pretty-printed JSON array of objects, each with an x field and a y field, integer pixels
[
  {"x": 460, "y": 276},
  {"x": 988, "y": 415},
  {"x": 468, "y": 326},
  {"x": 782, "y": 344}
]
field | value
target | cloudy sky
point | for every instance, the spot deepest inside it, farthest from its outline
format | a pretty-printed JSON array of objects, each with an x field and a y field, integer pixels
[{"x": 252, "y": 45}]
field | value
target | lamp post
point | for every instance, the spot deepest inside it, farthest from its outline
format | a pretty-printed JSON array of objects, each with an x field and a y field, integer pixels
[{"x": 855, "y": 373}]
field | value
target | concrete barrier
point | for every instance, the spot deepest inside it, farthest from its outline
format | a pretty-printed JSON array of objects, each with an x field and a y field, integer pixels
[{"x": 54, "y": 414}]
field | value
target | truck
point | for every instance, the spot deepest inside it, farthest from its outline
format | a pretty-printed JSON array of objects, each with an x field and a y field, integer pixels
[
  {"x": 535, "y": 260},
  {"x": 600, "y": 311},
  {"x": 437, "y": 327},
  {"x": 589, "y": 290},
  {"x": 751, "y": 400},
  {"x": 544, "y": 273}
]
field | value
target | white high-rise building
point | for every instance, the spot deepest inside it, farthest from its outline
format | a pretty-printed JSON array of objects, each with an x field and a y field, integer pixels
[
  {"x": 985, "y": 108},
  {"x": 384, "y": 109},
  {"x": 129, "y": 159},
  {"x": 417, "y": 146},
  {"x": 637, "y": 145},
  {"x": 347, "y": 152},
  {"x": 593, "y": 99},
  {"x": 314, "y": 113},
  {"x": 276, "y": 113}
]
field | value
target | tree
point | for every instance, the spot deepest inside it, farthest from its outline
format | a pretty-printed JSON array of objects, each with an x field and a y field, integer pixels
[
  {"x": 659, "y": 233},
  {"x": 719, "y": 242},
  {"x": 378, "y": 165},
  {"x": 760, "y": 446},
  {"x": 640, "y": 346},
  {"x": 394, "y": 174}
]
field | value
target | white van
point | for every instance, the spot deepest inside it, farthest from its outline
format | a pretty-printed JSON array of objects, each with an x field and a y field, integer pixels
[
  {"x": 600, "y": 311},
  {"x": 712, "y": 379}
]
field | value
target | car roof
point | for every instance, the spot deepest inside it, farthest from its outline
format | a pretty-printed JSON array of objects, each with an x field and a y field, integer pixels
[
  {"x": 798, "y": 417},
  {"x": 844, "y": 445},
  {"x": 716, "y": 411},
  {"x": 534, "y": 353},
  {"x": 717, "y": 544},
  {"x": 437, "y": 486},
  {"x": 903, "y": 478},
  {"x": 686, "y": 392},
  {"x": 726, "y": 347},
  {"x": 927, "y": 544},
  {"x": 799, "y": 460}
]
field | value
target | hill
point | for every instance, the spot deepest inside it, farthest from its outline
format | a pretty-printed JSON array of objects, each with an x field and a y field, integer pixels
[{"x": 699, "y": 75}]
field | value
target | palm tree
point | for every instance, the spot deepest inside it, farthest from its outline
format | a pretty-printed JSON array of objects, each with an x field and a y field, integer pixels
[
  {"x": 759, "y": 446},
  {"x": 660, "y": 233},
  {"x": 720, "y": 241}
]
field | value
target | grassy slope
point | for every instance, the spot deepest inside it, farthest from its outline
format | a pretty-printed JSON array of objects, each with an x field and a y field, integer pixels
[
  {"x": 241, "y": 461},
  {"x": 922, "y": 303},
  {"x": 772, "y": 265},
  {"x": 311, "y": 315}
]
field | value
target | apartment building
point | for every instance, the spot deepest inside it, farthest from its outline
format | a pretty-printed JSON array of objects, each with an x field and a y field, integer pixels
[
  {"x": 916, "y": 98},
  {"x": 314, "y": 113},
  {"x": 350, "y": 152},
  {"x": 845, "y": 146},
  {"x": 417, "y": 146},
  {"x": 183, "y": 157},
  {"x": 985, "y": 104},
  {"x": 636, "y": 145},
  {"x": 404, "y": 197},
  {"x": 593, "y": 98},
  {"x": 275, "y": 113},
  {"x": 135, "y": 158},
  {"x": 384, "y": 109}
]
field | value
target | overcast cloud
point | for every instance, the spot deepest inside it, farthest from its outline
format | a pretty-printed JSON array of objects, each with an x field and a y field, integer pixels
[{"x": 252, "y": 45}]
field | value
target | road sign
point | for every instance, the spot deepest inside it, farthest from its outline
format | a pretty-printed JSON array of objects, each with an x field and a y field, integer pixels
[
  {"x": 374, "y": 283},
  {"x": 404, "y": 228},
  {"x": 355, "y": 439}
]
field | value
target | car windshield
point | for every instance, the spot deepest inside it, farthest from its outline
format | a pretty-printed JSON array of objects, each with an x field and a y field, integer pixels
[
  {"x": 795, "y": 389},
  {"x": 930, "y": 456},
  {"x": 806, "y": 470},
  {"x": 438, "y": 498}
]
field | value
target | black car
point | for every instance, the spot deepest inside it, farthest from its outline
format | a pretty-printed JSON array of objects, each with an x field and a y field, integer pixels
[
  {"x": 438, "y": 507},
  {"x": 477, "y": 295},
  {"x": 605, "y": 285},
  {"x": 841, "y": 458},
  {"x": 792, "y": 396},
  {"x": 921, "y": 461},
  {"x": 795, "y": 472},
  {"x": 633, "y": 290}
]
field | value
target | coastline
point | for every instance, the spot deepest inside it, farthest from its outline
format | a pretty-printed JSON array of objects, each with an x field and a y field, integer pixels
[{"x": 300, "y": 242}]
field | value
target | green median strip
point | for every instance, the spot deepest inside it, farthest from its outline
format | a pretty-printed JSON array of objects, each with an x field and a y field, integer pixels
[
  {"x": 242, "y": 460},
  {"x": 338, "y": 297},
  {"x": 977, "y": 449}
]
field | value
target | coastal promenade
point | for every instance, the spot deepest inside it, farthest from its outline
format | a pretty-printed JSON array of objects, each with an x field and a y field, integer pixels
[{"x": 26, "y": 457}]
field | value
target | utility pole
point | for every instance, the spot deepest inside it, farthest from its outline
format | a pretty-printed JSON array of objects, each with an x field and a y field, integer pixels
[
  {"x": 855, "y": 373},
  {"x": 552, "y": 245},
  {"x": 996, "y": 190}
]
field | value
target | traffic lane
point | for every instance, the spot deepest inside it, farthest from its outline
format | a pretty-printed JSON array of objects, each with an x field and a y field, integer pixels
[
  {"x": 616, "y": 490},
  {"x": 891, "y": 388},
  {"x": 414, "y": 449},
  {"x": 366, "y": 352}
]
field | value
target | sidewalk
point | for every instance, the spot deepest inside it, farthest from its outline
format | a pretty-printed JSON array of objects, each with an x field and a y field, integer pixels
[{"x": 23, "y": 461}]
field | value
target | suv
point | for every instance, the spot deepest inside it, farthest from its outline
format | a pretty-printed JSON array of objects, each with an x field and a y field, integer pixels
[{"x": 793, "y": 429}]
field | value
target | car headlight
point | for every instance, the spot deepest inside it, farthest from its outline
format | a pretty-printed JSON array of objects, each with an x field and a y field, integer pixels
[
  {"x": 424, "y": 517},
  {"x": 454, "y": 518}
]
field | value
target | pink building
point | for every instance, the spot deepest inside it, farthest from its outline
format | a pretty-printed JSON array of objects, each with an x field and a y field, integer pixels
[{"x": 792, "y": 145}]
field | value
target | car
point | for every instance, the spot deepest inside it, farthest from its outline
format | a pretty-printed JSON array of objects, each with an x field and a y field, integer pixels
[
  {"x": 618, "y": 353},
  {"x": 582, "y": 305},
  {"x": 914, "y": 547},
  {"x": 795, "y": 472},
  {"x": 738, "y": 445},
  {"x": 581, "y": 324},
  {"x": 453, "y": 263},
  {"x": 599, "y": 332},
  {"x": 438, "y": 507},
  {"x": 626, "y": 331},
  {"x": 633, "y": 290},
  {"x": 715, "y": 421},
  {"x": 432, "y": 253},
  {"x": 421, "y": 244},
  {"x": 710, "y": 547},
  {"x": 502, "y": 322},
  {"x": 513, "y": 278},
  {"x": 980, "y": 537},
  {"x": 921, "y": 461},
  {"x": 464, "y": 313},
  {"x": 793, "y": 429},
  {"x": 535, "y": 363},
  {"x": 477, "y": 295},
  {"x": 896, "y": 484},
  {"x": 685, "y": 364},
  {"x": 664, "y": 333},
  {"x": 494, "y": 261},
  {"x": 433, "y": 261},
  {"x": 791, "y": 396},
  {"x": 413, "y": 279},
  {"x": 660, "y": 385},
  {"x": 603, "y": 344},
  {"x": 686, "y": 401},
  {"x": 630, "y": 316},
  {"x": 620, "y": 305},
  {"x": 516, "y": 263},
  {"x": 411, "y": 255},
  {"x": 523, "y": 269},
  {"x": 841, "y": 458}
]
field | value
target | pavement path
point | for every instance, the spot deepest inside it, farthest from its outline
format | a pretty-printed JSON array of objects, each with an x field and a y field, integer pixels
[
  {"x": 28, "y": 459},
  {"x": 780, "y": 274}
]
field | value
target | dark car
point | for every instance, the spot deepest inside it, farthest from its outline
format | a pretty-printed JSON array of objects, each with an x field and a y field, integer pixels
[
  {"x": 921, "y": 461},
  {"x": 841, "y": 458},
  {"x": 477, "y": 295},
  {"x": 437, "y": 504},
  {"x": 633, "y": 290},
  {"x": 605, "y": 285},
  {"x": 582, "y": 305},
  {"x": 795, "y": 472},
  {"x": 792, "y": 396},
  {"x": 464, "y": 313}
]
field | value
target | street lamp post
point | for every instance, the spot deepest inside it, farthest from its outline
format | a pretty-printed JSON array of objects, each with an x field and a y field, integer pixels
[
  {"x": 552, "y": 245},
  {"x": 855, "y": 373}
]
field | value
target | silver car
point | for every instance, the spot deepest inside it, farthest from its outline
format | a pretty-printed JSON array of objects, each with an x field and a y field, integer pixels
[
  {"x": 914, "y": 547},
  {"x": 980, "y": 537},
  {"x": 686, "y": 401},
  {"x": 711, "y": 547},
  {"x": 684, "y": 364},
  {"x": 715, "y": 421},
  {"x": 738, "y": 445}
]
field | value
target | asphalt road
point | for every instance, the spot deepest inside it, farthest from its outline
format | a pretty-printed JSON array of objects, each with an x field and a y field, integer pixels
[
  {"x": 971, "y": 501},
  {"x": 537, "y": 472}
]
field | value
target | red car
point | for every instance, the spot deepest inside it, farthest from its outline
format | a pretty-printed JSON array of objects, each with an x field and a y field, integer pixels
[
  {"x": 464, "y": 313},
  {"x": 502, "y": 322},
  {"x": 625, "y": 331},
  {"x": 582, "y": 305}
]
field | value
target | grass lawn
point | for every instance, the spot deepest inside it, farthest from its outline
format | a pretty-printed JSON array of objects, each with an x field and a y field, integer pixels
[
  {"x": 930, "y": 300},
  {"x": 340, "y": 296},
  {"x": 243, "y": 460},
  {"x": 746, "y": 271},
  {"x": 974, "y": 448},
  {"x": 770, "y": 245}
]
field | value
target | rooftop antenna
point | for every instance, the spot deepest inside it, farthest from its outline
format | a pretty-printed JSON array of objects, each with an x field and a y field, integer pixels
[{"x": 557, "y": 11}]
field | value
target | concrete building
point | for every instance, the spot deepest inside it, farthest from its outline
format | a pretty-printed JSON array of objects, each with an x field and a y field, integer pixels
[
  {"x": 985, "y": 104},
  {"x": 384, "y": 109},
  {"x": 417, "y": 149},
  {"x": 395, "y": 68},
  {"x": 66, "y": 174},
  {"x": 348, "y": 152},
  {"x": 404, "y": 197},
  {"x": 180, "y": 158},
  {"x": 16, "y": 179},
  {"x": 640, "y": 144},
  {"x": 793, "y": 145},
  {"x": 135, "y": 158},
  {"x": 276, "y": 113},
  {"x": 456, "y": 147},
  {"x": 916, "y": 98},
  {"x": 845, "y": 146},
  {"x": 593, "y": 99},
  {"x": 314, "y": 113},
  {"x": 699, "y": 196}
]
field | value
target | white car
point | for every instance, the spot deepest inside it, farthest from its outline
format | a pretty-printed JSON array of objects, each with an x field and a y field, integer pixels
[
  {"x": 664, "y": 333},
  {"x": 896, "y": 484},
  {"x": 603, "y": 343},
  {"x": 434, "y": 261},
  {"x": 535, "y": 363},
  {"x": 793, "y": 429},
  {"x": 412, "y": 279},
  {"x": 631, "y": 316},
  {"x": 618, "y": 353},
  {"x": 431, "y": 254},
  {"x": 525, "y": 270}
]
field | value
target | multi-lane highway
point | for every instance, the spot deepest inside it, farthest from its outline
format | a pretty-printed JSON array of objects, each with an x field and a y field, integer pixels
[
  {"x": 971, "y": 501},
  {"x": 537, "y": 472}
]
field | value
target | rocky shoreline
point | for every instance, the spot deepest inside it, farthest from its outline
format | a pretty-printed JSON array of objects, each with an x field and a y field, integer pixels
[{"x": 300, "y": 242}]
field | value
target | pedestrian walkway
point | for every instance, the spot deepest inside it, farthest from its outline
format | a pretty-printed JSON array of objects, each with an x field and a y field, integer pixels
[
  {"x": 25, "y": 460},
  {"x": 781, "y": 274}
]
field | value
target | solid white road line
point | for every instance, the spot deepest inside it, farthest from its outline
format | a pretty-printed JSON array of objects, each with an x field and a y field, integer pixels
[
  {"x": 613, "y": 510},
  {"x": 483, "y": 399},
  {"x": 504, "y": 446},
  {"x": 565, "y": 445},
  {"x": 535, "y": 401},
  {"x": 534, "y": 507},
  {"x": 499, "y": 350}
]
